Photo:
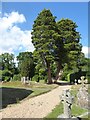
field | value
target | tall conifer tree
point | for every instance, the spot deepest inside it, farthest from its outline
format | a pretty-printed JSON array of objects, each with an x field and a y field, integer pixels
[
  {"x": 43, "y": 40},
  {"x": 71, "y": 48}
]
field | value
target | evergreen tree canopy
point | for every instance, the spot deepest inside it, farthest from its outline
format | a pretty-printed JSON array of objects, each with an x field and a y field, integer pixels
[
  {"x": 42, "y": 38},
  {"x": 71, "y": 38}
]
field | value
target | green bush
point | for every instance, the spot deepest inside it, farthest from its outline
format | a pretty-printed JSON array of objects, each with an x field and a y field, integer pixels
[
  {"x": 35, "y": 78},
  {"x": 6, "y": 75},
  {"x": 17, "y": 77},
  {"x": 64, "y": 75},
  {"x": 41, "y": 77},
  {"x": 7, "y": 78},
  {"x": 68, "y": 77}
]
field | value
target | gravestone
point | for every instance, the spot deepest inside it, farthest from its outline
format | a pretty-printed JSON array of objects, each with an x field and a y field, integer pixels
[
  {"x": 82, "y": 95},
  {"x": 25, "y": 80},
  {"x": 83, "y": 81},
  {"x": 67, "y": 102},
  {"x": 75, "y": 81}
]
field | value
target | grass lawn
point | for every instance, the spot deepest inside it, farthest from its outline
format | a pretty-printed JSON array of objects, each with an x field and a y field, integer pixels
[
  {"x": 76, "y": 110},
  {"x": 14, "y": 92}
]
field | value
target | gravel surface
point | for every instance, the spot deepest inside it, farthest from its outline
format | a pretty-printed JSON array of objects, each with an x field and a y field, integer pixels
[{"x": 36, "y": 107}]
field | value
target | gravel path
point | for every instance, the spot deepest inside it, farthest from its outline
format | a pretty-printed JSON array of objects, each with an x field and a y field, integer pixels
[{"x": 37, "y": 107}]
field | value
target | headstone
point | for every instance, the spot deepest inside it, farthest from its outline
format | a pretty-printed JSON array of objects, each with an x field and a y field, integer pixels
[
  {"x": 25, "y": 80},
  {"x": 67, "y": 102},
  {"x": 83, "y": 81},
  {"x": 75, "y": 81},
  {"x": 82, "y": 95}
]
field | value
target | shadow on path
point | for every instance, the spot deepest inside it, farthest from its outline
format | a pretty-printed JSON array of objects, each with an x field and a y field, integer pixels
[
  {"x": 62, "y": 83},
  {"x": 13, "y": 95}
]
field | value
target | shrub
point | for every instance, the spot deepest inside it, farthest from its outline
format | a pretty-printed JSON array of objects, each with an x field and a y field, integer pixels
[
  {"x": 17, "y": 77},
  {"x": 68, "y": 77},
  {"x": 64, "y": 75},
  {"x": 35, "y": 78},
  {"x": 6, "y": 75},
  {"x": 7, "y": 78}
]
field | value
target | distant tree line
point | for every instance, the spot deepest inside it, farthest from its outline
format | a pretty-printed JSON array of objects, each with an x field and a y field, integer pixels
[{"x": 57, "y": 50}]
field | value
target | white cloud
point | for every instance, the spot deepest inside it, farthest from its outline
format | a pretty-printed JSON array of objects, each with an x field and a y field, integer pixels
[
  {"x": 86, "y": 51},
  {"x": 13, "y": 38}
]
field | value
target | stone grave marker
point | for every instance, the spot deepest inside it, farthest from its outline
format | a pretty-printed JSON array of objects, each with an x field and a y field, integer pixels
[
  {"x": 82, "y": 95},
  {"x": 67, "y": 102},
  {"x": 25, "y": 80},
  {"x": 75, "y": 81},
  {"x": 83, "y": 81}
]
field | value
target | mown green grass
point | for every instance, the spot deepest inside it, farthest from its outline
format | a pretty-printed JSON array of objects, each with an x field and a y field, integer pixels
[
  {"x": 55, "y": 112},
  {"x": 33, "y": 84},
  {"x": 14, "y": 92},
  {"x": 76, "y": 111}
]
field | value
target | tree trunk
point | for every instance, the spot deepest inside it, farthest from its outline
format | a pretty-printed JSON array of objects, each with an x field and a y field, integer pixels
[
  {"x": 49, "y": 73},
  {"x": 59, "y": 67}
]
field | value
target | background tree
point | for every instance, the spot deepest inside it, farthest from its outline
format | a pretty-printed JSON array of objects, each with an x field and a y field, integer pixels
[
  {"x": 7, "y": 66},
  {"x": 68, "y": 52},
  {"x": 43, "y": 40},
  {"x": 26, "y": 64}
]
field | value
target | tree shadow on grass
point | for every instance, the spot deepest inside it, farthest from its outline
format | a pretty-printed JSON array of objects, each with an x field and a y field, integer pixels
[{"x": 13, "y": 95}]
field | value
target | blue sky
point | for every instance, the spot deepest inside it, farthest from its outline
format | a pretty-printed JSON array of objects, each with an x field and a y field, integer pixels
[{"x": 76, "y": 11}]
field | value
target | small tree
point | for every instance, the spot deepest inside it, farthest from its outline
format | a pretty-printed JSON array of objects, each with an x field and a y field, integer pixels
[
  {"x": 7, "y": 65},
  {"x": 26, "y": 64}
]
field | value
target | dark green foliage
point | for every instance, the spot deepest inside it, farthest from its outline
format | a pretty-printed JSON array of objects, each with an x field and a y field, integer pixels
[
  {"x": 7, "y": 61},
  {"x": 7, "y": 67},
  {"x": 17, "y": 77},
  {"x": 35, "y": 78},
  {"x": 76, "y": 75},
  {"x": 6, "y": 75},
  {"x": 26, "y": 64},
  {"x": 57, "y": 49},
  {"x": 65, "y": 74},
  {"x": 68, "y": 46},
  {"x": 43, "y": 39}
]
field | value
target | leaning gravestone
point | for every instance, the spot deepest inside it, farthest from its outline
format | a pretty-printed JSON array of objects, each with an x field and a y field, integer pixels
[
  {"x": 82, "y": 95},
  {"x": 67, "y": 102}
]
